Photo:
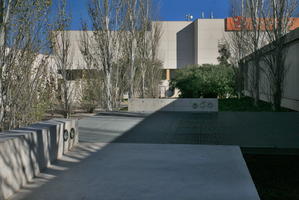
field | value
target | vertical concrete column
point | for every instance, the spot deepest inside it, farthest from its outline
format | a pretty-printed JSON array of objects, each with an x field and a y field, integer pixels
[{"x": 168, "y": 74}]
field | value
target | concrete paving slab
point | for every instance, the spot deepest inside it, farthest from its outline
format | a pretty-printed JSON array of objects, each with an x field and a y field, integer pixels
[{"x": 146, "y": 172}]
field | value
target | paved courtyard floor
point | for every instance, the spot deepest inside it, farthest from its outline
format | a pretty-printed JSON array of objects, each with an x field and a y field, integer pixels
[
  {"x": 146, "y": 172},
  {"x": 252, "y": 131},
  {"x": 137, "y": 156}
]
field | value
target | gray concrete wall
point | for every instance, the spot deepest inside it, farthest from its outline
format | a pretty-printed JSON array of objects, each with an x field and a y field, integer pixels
[
  {"x": 172, "y": 33},
  {"x": 26, "y": 151},
  {"x": 77, "y": 59},
  {"x": 175, "y": 105},
  {"x": 291, "y": 92},
  {"x": 208, "y": 33},
  {"x": 184, "y": 43}
]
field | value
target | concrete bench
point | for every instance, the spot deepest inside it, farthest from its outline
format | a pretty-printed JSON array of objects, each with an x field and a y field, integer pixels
[{"x": 24, "y": 152}]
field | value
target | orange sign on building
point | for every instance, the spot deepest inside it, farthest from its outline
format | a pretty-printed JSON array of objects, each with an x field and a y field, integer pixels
[{"x": 240, "y": 23}]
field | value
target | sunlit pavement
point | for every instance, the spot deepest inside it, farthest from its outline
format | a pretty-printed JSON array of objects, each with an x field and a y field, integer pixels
[{"x": 146, "y": 171}]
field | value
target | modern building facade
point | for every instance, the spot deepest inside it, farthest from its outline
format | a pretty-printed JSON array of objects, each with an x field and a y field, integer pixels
[
  {"x": 196, "y": 42},
  {"x": 186, "y": 43},
  {"x": 182, "y": 43}
]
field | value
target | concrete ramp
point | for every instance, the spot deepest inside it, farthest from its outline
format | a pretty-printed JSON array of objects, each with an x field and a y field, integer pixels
[{"x": 150, "y": 171}]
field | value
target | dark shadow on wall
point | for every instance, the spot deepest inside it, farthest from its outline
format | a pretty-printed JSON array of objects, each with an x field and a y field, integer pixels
[{"x": 185, "y": 46}]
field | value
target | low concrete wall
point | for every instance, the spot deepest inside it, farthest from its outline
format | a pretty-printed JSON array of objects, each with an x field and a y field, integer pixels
[
  {"x": 175, "y": 105},
  {"x": 290, "y": 96},
  {"x": 26, "y": 151}
]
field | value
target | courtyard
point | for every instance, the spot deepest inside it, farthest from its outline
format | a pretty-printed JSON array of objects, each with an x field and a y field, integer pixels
[
  {"x": 119, "y": 100},
  {"x": 176, "y": 155}
]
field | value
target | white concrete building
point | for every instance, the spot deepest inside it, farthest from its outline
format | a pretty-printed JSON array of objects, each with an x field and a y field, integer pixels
[
  {"x": 182, "y": 43},
  {"x": 185, "y": 43}
]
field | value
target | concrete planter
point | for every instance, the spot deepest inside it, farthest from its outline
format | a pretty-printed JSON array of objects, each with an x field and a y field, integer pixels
[
  {"x": 175, "y": 105},
  {"x": 26, "y": 151}
]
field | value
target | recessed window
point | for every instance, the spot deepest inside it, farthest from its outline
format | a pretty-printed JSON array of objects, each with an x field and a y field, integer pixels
[{"x": 72, "y": 74}]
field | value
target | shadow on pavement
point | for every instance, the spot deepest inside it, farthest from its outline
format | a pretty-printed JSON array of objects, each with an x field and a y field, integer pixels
[
  {"x": 121, "y": 114},
  {"x": 248, "y": 130}
]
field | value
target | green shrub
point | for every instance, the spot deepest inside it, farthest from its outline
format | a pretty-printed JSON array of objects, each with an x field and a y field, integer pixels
[{"x": 209, "y": 81}]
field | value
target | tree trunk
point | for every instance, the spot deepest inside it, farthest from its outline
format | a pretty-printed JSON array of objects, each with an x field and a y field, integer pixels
[
  {"x": 278, "y": 82},
  {"x": 132, "y": 72},
  {"x": 2, "y": 50},
  {"x": 277, "y": 98},
  {"x": 143, "y": 85},
  {"x": 108, "y": 92},
  {"x": 66, "y": 103},
  {"x": 256, "y": 82}
]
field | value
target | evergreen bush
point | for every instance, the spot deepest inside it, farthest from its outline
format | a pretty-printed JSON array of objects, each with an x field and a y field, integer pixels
[{"x": 208, "y": 81}]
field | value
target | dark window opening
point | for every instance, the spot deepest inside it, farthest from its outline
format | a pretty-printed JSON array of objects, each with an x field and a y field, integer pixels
[
  {"x": 71, "y": 74},
  {"x": 172, "y": 74}
]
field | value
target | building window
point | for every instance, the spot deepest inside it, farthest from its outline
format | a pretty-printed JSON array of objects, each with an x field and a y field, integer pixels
[
  {"x": 72, "y": 74},
  {"x": 172, "y": 73}
]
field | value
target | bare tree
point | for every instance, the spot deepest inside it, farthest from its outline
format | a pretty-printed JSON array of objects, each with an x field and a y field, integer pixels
[
  {"x": 154, "y": 65},
  {"x": 131, "y": 27},
  {"x": 253, "y": 10},
  {"x": 238, "y": 42},
  {"x": 251, "y": 34},
  {"x": 278, "y": 19},
  {"x": 105, "y": 17},
  {"x": 120, "y": 81},
  {"x": 7, "y": 57},
  {"x": 140, "y": 48},
  {"x": 121, "y": 47},
  {"x": 143, "y": 43},
  {"x": 22, "y": 66},
  {"x": 62, "y": 54},
  {"x": 92, "y": 85}
]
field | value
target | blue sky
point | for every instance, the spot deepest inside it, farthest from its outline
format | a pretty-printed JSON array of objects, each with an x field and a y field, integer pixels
[
  {"x": 177, "y": 9},
  {"x": 172, "y": 10}
]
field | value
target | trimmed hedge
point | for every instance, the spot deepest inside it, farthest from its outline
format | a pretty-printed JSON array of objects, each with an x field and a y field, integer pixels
[{"x": 208, "y": 81}]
